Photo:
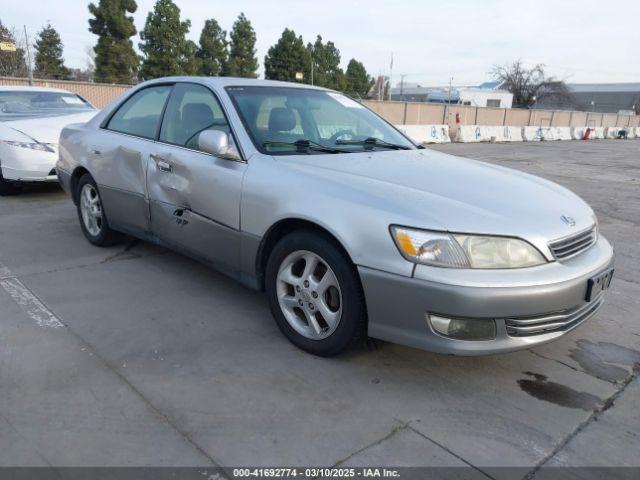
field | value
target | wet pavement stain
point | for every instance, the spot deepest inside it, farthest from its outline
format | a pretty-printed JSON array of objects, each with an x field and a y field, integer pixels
[
  {"x": 541, "y": 388},
  {"x": 605, "y": 360}
]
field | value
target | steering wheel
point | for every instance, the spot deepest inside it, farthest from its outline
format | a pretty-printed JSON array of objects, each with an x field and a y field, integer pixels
[{"x": 334, "y": 138}]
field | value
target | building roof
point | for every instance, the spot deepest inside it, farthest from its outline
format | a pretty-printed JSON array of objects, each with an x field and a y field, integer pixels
[
  {"x": 490, "y": 85},
  {"x": 604, "y": 87}
]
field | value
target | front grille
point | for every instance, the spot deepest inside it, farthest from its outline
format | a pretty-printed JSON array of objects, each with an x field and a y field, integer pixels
[
  {"x": 573, "y": 245},
  {"x": 560, "y": 321}
]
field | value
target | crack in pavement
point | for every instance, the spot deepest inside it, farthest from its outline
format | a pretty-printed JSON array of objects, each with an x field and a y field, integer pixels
[
  {"x": 450, "y": 451},
  {"x": 395, "y": 430},
  {"x": 84, "y": 265},
  {"x": 161, "y": 415},
  {"x": 133, "y": 243},
  {"x": 606, "y": 405},
  {"x": 407, "y": 426}
]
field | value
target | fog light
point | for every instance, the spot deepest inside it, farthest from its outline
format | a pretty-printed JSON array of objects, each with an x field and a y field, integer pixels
[{"x": 464, "y": 328}]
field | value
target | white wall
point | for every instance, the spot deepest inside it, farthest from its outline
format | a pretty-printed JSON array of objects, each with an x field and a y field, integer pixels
[{"x": 479, "y": 97}]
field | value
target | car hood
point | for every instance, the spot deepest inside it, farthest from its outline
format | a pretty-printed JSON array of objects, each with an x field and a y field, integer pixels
[
  {"x": 434, "y": 190},
  {"x": 44, "y": 129}
]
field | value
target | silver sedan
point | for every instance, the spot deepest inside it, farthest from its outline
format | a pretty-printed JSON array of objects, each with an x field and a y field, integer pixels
[{"x": 349, "y": 227}]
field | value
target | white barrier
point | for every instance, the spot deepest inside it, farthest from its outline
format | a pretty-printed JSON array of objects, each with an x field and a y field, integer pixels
[
  {"x": 532, "y": 134},
  {"x": 597, "y": 133},
  {"x": 426, "y": 133},
  {"x": 472, "y": 134},
  {"x": 562, "y": 133},
  {"x": 577, "y": 133},
  {"x": 481, "y": 133},
  {"x": 614, "y": 132},
  {"x": 512, "y": 134}
]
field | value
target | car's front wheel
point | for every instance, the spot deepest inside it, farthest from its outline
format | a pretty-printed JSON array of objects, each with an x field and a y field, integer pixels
[
  {"x": 93, "y": 220},
  {"x": 315, "y": 293}
]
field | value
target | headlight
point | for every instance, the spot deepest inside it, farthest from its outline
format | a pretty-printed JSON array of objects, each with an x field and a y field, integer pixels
[
  {"x": 464, "y": 251},
  {"x": 44, "y": 147}
]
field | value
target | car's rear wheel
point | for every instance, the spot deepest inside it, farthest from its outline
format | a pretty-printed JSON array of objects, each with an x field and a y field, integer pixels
[
  {"x": 315, "y": 293},
  {"x": 7, "y": 187},
  {"x": 93, "y": 219}
]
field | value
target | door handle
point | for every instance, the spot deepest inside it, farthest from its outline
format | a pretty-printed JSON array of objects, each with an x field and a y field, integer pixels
[{"x": 163, "y": 165}]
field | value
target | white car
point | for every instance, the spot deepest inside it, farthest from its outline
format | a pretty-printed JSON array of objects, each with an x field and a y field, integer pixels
[{"x": 31, "y": 119}]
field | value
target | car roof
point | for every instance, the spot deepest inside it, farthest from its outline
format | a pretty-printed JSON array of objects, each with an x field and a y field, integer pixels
[
  {"x": 234, "y": 81},
  {"x": 27, "y": 88}
]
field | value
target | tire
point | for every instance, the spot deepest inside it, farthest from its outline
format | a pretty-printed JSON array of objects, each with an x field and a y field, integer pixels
[
  {"x": 7, "y": 187},
  {"x": 97, "y": 232},
  {"x": 299, "y": 310}
]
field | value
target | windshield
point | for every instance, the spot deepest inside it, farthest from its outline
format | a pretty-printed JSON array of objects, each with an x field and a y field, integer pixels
[
  {"x": 21, "y": 104},
  {"x": 285, "y": 120}
]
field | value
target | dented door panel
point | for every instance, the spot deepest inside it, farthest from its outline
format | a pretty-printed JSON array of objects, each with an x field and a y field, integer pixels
[
  {"x": 118, "y": 164},
  {"x": 195, "y": 202}
]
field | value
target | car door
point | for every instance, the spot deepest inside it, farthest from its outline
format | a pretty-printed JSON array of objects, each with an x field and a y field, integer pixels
[
  {"x": 194, "y": 196},
  {"x": 119, "y": 154}
]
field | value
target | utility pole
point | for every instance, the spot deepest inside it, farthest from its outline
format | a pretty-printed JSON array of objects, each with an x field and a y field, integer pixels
[
  {"x": 448, "y": 107},
  {"x": 390, "y": 75},
  {"x": 26, "y": 39},
  {"x": 402, "y": 85}
]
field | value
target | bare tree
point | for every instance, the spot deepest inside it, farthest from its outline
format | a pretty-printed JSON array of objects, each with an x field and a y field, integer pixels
[{"x": 531, "y": 85}]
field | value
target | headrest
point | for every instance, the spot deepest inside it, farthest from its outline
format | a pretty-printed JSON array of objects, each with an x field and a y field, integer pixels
[
  {"x": 281, "y": 120},
  {"x": 199, "y": 114}
]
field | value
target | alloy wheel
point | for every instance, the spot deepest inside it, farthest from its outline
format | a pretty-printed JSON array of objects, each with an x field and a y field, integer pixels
[
  {"x": 91, "y": 209},
  {"x": 309, "y": 295}
]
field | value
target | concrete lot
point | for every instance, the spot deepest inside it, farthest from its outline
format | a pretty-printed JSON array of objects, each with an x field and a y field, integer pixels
[{"x": 134, "y": 355}]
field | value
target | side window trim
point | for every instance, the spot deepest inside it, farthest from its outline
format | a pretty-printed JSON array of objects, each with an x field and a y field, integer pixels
[
  {"x": 105, "y": 123},
  {"x": 224, "y": 112}
]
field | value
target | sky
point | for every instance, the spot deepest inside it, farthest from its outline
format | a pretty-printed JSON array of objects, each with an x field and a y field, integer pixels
[{"x": 581, "y": 41}]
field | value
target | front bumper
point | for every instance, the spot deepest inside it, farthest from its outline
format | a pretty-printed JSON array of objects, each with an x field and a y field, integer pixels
[
  {"x": 25, "y": 165},
  {"x": 397, "y": 306}
]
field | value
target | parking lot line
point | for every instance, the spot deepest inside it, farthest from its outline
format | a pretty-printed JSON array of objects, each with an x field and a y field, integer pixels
[{"x": 27, "y": 300}]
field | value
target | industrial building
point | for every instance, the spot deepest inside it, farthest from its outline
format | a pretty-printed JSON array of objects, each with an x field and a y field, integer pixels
[
  {"x": 487, "y": 94},
  {"x": 599, "y": 97}
]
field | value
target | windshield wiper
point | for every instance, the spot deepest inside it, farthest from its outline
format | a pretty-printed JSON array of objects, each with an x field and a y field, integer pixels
[
  {"x": 304, "y": 145},
  {"x": 369, "y": 143}
]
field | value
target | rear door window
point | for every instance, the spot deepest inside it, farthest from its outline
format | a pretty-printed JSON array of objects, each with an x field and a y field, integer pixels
[{"x": 140, "y": 114}]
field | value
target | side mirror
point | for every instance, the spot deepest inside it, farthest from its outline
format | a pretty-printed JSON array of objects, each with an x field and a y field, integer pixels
[{"x": 217, "y": 143}]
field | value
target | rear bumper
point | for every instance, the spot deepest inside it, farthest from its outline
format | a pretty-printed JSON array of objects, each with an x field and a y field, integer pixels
[
  {"x": 64, "y": 179},
  {"x": 398, "y": 306}
]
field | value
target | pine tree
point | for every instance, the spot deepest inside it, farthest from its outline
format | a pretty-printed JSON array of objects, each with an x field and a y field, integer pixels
[
  {"x": 12, "y": 64},
  {"x": 326, "y": 65},
  {"x": 288, "y": 57},
  {"x": 164, "y": 45},
  {"x": 213, "y": 52},
  {"x": 48, "y": 59},
  {"x": 358, "y": 81},
  {"x": 116, "y": 61},
  {"x": 242, "y": 52}
]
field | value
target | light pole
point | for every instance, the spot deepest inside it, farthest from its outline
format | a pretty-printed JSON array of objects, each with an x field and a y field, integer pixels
[{"x": 402, "y": 85}]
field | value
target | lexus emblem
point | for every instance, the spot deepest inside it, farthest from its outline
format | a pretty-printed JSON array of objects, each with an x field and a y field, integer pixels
[{"x": 568, "y": 220}]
